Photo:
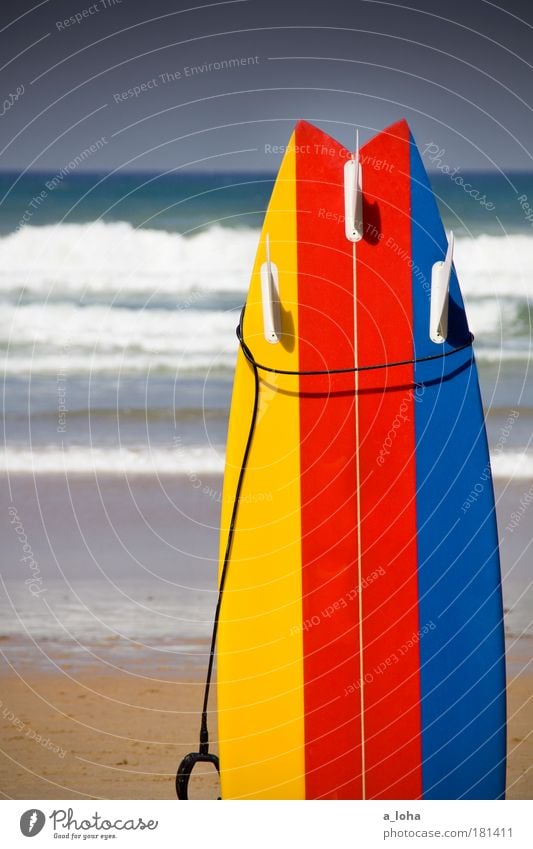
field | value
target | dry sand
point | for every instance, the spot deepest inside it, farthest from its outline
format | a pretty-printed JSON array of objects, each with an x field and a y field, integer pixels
[
  {"x": 122, "y": 738},
  {"x": 114, "y": 738}
]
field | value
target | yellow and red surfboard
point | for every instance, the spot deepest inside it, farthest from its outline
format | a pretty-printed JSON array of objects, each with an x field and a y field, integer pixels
[{"x": 353, "y": 661}]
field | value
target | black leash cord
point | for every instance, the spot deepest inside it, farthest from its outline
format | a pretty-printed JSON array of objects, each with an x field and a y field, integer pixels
[
  {"x": 251, "y": 359},
  {"x": 203, "y": 755},
  {"x": 188, "y": 763}
]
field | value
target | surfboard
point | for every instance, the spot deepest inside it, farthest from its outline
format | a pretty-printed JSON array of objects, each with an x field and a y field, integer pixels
[{"x": 360, "y": 646}]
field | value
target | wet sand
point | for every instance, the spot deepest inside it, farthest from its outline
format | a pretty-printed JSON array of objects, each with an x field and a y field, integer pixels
[
  {"x": 75, "y": 731},
  {"x": 122, "y": 738}
]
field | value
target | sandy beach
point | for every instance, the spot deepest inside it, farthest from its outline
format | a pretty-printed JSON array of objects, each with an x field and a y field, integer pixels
[
  {"x": 98, "y": 736},
  {"x": 101, "y": 675},
  {"x": 122, "y": 738}
]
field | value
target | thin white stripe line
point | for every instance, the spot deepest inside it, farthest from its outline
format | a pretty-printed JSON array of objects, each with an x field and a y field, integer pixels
[{"x": 358, "y": 519}]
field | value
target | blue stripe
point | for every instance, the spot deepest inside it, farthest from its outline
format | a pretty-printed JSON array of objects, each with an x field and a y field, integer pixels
[{"x": 462, "y": 656}]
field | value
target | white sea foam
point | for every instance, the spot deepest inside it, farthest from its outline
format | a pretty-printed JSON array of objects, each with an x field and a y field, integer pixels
[
  {"x": 66, "y": 325},
  {"x": 512, "y": 465},
  {"x": 64, "y": 337},
  {"x": 85, "y": 286},
  {"x": 495, "y": 317},
  {"x": 48, "y": 339},
  {"x": 183, "y": 460},
  {"x": 495, "y": 266},
  {"x": 503, "y": 355},
  {"x": 117, "y": 364},
  {"x": 114, "y": 258}
]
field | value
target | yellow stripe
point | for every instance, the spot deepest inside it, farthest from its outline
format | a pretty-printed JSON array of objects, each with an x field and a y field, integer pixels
[{"x": 260, "y": 651}]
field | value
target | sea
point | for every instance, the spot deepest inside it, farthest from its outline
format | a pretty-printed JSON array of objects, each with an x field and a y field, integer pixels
[{"x": 119, "y": 298}]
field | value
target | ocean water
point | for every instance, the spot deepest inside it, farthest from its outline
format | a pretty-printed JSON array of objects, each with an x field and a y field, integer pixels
[
  {"x": 80, "y": 625},
  {"x": 119, "y": 297}
]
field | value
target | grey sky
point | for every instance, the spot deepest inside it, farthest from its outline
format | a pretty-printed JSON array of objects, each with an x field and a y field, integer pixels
[{"x": 464, "y": 83}]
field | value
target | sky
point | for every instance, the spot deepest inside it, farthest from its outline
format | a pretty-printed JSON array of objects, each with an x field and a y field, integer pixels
[{"x": 218, "y": 86}]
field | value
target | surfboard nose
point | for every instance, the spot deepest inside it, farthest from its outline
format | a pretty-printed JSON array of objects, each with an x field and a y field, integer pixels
[{"x": 361, "y": 643}]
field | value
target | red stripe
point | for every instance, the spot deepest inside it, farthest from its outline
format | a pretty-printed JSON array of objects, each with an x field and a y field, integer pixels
[
  {"x": 387, "y": 461},
  {"x": 388, "y": 562},
  {"x": 329, "y": 539}
]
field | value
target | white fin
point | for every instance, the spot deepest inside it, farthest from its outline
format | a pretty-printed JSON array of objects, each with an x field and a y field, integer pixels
[
  {"x": 440, "y": 287},
  {"x": 353, "y": 196},
  {"x": 270, "y": 297}
]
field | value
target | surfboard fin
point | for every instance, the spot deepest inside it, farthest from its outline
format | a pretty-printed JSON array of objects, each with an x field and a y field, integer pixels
[
  {"x": 353, "y": 196},
  {"x": 440, "y": 287},
  {"x": 270, "y": 297}
]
